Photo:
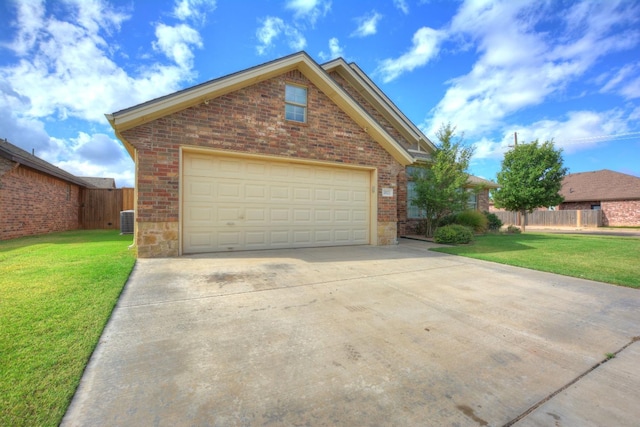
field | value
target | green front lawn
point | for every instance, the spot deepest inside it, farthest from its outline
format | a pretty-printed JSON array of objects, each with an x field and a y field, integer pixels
[
  {"x": 602, "y": 258},
  {"x": 58, "y": 291}
]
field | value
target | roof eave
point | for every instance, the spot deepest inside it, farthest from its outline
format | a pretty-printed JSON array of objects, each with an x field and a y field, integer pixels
[{"x": 354, "y": 73}]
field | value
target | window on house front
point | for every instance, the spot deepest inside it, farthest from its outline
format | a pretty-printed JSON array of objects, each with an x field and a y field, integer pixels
[
  {"x": 472, "y": 201},
  {"x": 595, "y": 207},
  {"x": 413, "y": 212},
  {"x": 295, "y": 108}
]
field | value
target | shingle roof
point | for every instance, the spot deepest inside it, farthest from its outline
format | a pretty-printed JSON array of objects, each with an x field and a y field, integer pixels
[
  {"x": 100, "y": 182},
  {"x": 18, "y": 155},
  {"x": 476, "y": 180},
  {"x": 600, "y": 185}
]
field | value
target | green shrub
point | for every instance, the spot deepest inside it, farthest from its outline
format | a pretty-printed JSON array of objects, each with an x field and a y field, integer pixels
[
  {"x": 493, "y": 222},
  {"x": 472, "y": 219},
  {"x": 453, "y": 234},
  {"x": 513, "y": 229}
]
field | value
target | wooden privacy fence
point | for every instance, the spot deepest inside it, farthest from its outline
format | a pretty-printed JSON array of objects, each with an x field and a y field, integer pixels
[
  {"x": 564, "y": 218},
  {"x": 100, "y": 207}
]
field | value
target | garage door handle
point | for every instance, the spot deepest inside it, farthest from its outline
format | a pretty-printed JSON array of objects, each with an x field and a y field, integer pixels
[{"x": 231, "y": 223}]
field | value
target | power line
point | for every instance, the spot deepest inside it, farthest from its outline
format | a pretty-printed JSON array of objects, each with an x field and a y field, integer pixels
[{"x": 628, "y": 135}]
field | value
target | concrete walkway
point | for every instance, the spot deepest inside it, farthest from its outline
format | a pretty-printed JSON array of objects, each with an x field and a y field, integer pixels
[{"x": 361, "y": 336}]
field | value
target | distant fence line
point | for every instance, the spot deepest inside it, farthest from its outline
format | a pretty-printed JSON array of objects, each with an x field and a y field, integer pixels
[
  {"x": 563, "y": 218},
  {"x": 101, "y": 207}
]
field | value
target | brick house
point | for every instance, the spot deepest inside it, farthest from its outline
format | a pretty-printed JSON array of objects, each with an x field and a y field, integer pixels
[
  {"x": 286, "y": 154},
  {"x": 35, "y": 196},
  {"x": 616, "y": 194}
]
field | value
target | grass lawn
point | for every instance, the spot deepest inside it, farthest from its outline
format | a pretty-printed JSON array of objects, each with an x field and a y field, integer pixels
[
  {"x": 58, "y": 291},
  {"x": 602, "y": 258}
]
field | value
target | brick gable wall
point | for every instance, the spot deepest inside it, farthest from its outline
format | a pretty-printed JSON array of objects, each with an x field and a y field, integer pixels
[
  {"x": 249, "y": 120},
  {"x": 34, "y": 203}
]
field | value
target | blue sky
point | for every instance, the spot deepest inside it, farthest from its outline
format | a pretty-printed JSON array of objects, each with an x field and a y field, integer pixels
[{"x": 566, "y": 70}]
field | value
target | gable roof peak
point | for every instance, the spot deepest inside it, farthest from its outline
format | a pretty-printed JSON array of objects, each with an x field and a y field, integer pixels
[{"x": 151, "y": 110}]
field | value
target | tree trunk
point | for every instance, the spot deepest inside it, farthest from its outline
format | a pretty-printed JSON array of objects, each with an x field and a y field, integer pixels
[{"x": 524, "y": 221}]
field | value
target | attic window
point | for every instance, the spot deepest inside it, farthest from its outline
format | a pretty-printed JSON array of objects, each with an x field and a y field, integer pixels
[{"x": 295, "y": 108}]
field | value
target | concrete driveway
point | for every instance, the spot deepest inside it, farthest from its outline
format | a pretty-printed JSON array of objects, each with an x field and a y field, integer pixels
[{"x": 361, "y": 336}]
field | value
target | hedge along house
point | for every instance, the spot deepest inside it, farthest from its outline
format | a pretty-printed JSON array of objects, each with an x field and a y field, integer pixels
[{"x": 283, "y": 155}]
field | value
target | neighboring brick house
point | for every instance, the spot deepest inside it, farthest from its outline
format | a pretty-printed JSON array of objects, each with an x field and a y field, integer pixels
[
  {"x": 616, "y": 194},
  {"x": 286, "y": 154},
  {"x": 35, "y": 196}
]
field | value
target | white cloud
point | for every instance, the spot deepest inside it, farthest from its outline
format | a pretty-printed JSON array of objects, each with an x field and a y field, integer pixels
[
  {"x": 175, "y": 43},
  {"x": 519, "y": 66},
  {"x": 194, "y": 10},
  {"x": 70, "y": 72},
  {"x": 625, "y": 82},
  {"x": 575, "y": 131},
  {"x": 426, "y": 44},
  {"x": 310, "y": 10},
  {"x": 272, "y": 28},
  {"x": 335, "y": 50},
  {"x": 29, "y": 17},
  {"x": 66, "y": 71},
  {"x": 96, "y": 155},
  {"x": 367, "y": 24},
  {"x": 402, "y": 5}
]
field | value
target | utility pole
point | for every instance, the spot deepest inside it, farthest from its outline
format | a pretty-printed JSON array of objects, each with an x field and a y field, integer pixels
[{"x": 515, "y": 138}]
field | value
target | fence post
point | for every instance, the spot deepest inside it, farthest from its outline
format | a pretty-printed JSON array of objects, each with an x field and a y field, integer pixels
[{"x": 579, "y": 218}]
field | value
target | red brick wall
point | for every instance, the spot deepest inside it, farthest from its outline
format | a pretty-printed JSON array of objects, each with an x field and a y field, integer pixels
[
  {"x": 34, "y": 203},
  {"x": 622, "y": 212},
  {"x": 386, "y": 125},
  {"x": 614, "y": 213},
  {"x": 252, "y": 120}
]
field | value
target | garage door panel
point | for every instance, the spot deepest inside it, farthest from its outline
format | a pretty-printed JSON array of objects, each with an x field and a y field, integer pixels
[
  {"x": 301, "y": 194},
  {"x": 302, "y": 237},
  {"x": 302, "y": 216},
  {"x": 359, "y": 216},
  {"x": 255, "y": 192},
  {"x": 322, "y": 215},
  {"x": 322, "y": 195},
  {"x": 342, "y": 196},
  {"x": 361, "y": 235},
  {"x": 279, "y": 215},
  {"x": 239, "y": 204},
  {"x": 342, "y": 216},
  {"x": 279, "y": 193}
]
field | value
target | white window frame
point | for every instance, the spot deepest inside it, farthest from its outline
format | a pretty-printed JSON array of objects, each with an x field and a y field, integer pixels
[{"x": 296, "y": 103}]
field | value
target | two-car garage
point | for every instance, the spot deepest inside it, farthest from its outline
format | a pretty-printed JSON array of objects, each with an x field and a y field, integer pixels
[{"x": 244, "y": 203}]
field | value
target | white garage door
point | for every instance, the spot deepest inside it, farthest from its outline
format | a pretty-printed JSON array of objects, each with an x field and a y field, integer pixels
[{"x": 244, "y": 204}]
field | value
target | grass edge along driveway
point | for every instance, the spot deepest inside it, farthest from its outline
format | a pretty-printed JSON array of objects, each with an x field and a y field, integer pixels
[
  {"x": 58, "y": 291},
  {"x": 601, "y": 258}
]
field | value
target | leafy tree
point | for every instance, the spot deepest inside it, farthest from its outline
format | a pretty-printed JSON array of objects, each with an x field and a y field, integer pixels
[
  {"x": 531, "y": 177},
  {"x": 439, "y": 185}
]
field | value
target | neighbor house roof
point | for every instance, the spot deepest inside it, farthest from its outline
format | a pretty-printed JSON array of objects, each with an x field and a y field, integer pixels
[
  {"x": 600, "y": 185},
  {"x": 476, "y": 180},
  {"x": 100, "y": 182},
  {"x": 18, "y": 155},
  {"x": 163, "y": 106}
]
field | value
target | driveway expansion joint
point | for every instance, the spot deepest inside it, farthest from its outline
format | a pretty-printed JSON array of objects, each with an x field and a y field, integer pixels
[{"x": 610, "y": 356}]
